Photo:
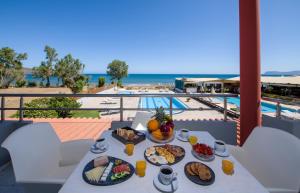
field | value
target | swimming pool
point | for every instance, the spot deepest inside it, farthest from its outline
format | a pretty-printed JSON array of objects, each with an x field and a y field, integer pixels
[
  {"x": 156, "y": 102},
  {"x": 125, "y": 92},
  {"x": 265, "y": 107}
]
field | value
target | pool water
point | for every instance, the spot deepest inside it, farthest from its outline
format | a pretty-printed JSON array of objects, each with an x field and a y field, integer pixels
[
  {"x": 125, "y": 92},
  {"x": 156, "y": 102},
  {"x": 265, "y": 107}
]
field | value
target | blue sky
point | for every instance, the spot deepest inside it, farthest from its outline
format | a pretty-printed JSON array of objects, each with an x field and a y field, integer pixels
[{"x": 152, "y": 36}]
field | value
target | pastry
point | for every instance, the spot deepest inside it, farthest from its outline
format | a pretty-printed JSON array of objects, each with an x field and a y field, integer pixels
[
  {"x": 200, "y": 170},
  {"x": 189, "y": 170},
  {"x": 203, "y": 172},
  {"x": 194, "y": 168}
]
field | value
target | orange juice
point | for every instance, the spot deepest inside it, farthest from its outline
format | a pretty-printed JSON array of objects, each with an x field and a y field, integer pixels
[
  {"x": 228, "y": 167},
  {"x": 141, "y": 168},
  {"x": 193, "y": 140},
  {"x": 129, "y": 148}
]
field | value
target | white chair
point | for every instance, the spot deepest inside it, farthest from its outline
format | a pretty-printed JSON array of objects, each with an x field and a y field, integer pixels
[
  {"x": 39, "y": 157},
  {"x": 273, "y": 157},
  {"x": 141, "y": 119}
]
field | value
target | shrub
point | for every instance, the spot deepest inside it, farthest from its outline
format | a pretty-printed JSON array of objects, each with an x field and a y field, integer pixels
[
  {"x": 42, "y": 84},
  {"x": 54, "y": 102},
  {"x": 119, "y": 83},
  {"x": 39, "y": 103},
  {"x": 31, "y": 84},
  {"x": 20, "y": 83},
  {"x": 101, "y": 81},
  {"x": 63, "y": 102}
]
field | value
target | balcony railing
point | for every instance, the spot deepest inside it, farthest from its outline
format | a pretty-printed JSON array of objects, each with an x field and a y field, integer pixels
[{"x": 121, "y": 108}]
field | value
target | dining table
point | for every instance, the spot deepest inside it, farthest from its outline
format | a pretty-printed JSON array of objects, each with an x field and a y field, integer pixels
[{"x": 241, "y": 181}]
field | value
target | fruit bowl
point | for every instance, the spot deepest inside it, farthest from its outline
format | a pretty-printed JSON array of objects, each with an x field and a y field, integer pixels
[
  {"x": 161, "y": 127},
  {"x": 162, "y": 141}
]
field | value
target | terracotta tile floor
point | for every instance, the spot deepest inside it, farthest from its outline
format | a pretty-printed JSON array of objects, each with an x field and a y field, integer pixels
[{"x": 79, "y": 128}]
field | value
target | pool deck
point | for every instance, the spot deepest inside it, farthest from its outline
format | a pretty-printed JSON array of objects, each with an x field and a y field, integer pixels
[
  {"x": 133, "y": 102},
  {"x": 291, "y": 115}
]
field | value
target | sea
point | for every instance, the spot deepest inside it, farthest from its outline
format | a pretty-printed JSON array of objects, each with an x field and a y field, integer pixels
[{"x": 140, "y": 79}]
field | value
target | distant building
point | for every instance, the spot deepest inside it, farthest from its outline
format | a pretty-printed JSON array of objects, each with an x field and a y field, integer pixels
[
  {"x": 194, "y": 85},
  {"x": 282, "y": 85}
]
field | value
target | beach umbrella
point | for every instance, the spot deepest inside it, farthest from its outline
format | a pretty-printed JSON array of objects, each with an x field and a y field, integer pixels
[{"x": 212, "y": 91}]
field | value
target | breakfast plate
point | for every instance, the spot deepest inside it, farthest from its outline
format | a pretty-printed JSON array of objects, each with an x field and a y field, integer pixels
[
  {"x": 164, "y": 154},
  {"x": 106, "y": 171},
  {"x": 199, "y": 173},
  {"x": 203, "y": 152}
]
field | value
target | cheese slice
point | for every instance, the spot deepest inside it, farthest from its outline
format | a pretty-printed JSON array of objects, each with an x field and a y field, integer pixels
[{"x": 95, "y": 174}]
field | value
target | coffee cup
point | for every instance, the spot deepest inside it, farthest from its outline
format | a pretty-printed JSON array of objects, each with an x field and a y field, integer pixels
[
  {"x": 100, "y": 143},
  {"x": 184, "y": 133},
  {"x": 166, "y": 175},
  {"x": 220, "y": 146}
]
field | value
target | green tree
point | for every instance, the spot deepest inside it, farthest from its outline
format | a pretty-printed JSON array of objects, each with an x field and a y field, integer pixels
[
  {"x": 60, "y": 70},
  {"x": 70, "y": 70},
  {"x": 117, "y": 70},
  {"x": 101, "y": 81},
  {"x": 46, "y": 69},
  {"x": 11, "y": 67}
]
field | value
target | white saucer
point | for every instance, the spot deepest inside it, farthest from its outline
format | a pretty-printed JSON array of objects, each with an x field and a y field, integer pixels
[
  {"x": 179, "y": 137},
  {"x": 165, "y": 188},
  {"x": 223, "y": 154},
  {"x": 97, "y": 150}
]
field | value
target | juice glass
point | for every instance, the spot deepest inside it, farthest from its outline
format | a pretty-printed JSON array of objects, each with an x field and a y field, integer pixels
[
  {"x": 140, "y": 168},
  {"x": 193, "y": 139},
  {"x": 227, "y": 166},
  {"x": 129, "y": 147}
]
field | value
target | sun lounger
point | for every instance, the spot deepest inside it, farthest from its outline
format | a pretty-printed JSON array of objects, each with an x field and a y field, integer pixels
[
  {"x": 290, "y": 115},
  {"x": 110, "y": 101}
]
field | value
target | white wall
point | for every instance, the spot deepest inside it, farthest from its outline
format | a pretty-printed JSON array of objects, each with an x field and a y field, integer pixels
[{"x": 191, "y": 90}]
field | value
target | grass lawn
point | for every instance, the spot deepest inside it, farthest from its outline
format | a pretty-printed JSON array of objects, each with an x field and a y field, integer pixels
[{"x": 86, "y": 114}]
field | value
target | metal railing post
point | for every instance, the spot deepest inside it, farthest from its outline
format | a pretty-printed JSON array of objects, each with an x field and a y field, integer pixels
[
  {"x": 171, "y": 107},
  {"x": 225, "y": 108},
  {"x": 121, "y": 109},
  {"x": 21, "y": 113},
  {"x": 2, "y": 108},
  {"x": 278, "y": 109}
]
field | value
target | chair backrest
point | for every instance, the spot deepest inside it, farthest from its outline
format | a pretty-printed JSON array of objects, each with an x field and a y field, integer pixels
[
  {"x": 274, "y": 158},
  {"x": 34, "y": 151},
  {"x": 141, "y": 119}
]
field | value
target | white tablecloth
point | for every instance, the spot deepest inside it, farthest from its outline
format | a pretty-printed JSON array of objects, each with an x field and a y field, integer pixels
[{"x": 241, "y": 182}]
